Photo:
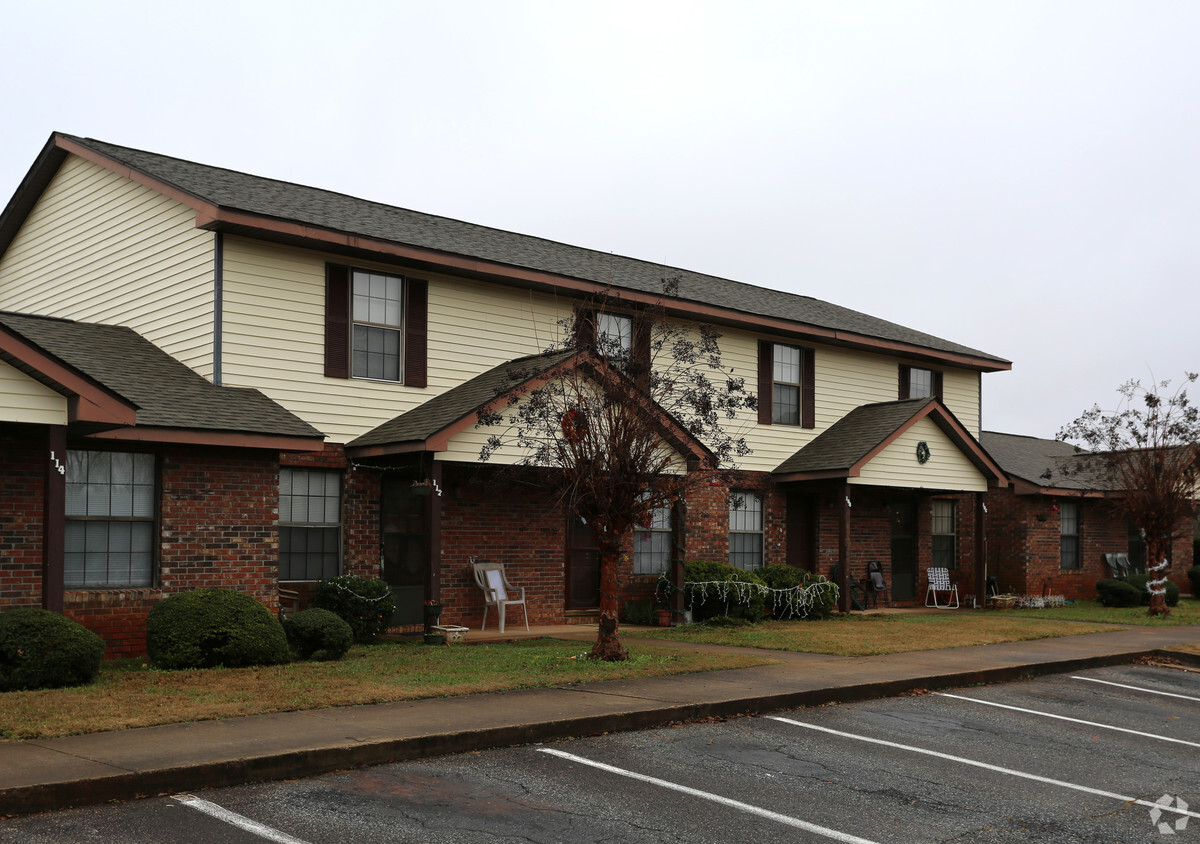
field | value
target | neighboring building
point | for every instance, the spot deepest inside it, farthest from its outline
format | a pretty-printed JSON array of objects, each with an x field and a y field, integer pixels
[
  {"x": 1049, "y": 530},
  {"x": 361, "y": 339}
]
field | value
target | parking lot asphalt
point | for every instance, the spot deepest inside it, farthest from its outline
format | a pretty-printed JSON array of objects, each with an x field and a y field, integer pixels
[{"x": 42, "y": 775}]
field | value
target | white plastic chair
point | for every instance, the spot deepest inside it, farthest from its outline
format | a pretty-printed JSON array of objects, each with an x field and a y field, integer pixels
[
  {"x": 498, "y": 592},
  {"x": 939, "y": 581}
]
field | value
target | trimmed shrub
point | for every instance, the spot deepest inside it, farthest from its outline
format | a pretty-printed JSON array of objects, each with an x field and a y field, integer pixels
[
  {"x": 780, "y": 576},
  {"x": 206, "y": 628},
  {"x": 318, "y": 634},
  {"x": 365, "y": 603},
  {"x": 724, "y": 591},
  {"x": 1194, "y": 578},
  {"x": 1139, "y": 582},
  {"x": 40, "y": 649},
  {"x": 639, "y": 612},
  {"x": 1118, "y": 593}
]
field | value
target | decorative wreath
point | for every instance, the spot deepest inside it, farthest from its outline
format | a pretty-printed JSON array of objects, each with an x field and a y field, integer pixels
[{"x": 922, "y": 452}]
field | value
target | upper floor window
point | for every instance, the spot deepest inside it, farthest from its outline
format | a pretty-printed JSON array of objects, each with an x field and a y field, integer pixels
[
  {"x": 945, "y": 534},
  {"x": 746, "y": 530},
  {"x": 614, "y": 335},
  {"x": 652, "y": 543},
  {"x": 918, "y": 383},
  {"x": 785, "y": 385},
  {"x": 378, "y": 325},
  {"x": 109, "y": 538},
  {"x": 310, "y": 506},
  {"x": 1069, "y": 534}
]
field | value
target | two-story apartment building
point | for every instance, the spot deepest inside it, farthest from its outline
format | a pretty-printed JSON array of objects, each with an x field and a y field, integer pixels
[{"x": 214, "y": 378}]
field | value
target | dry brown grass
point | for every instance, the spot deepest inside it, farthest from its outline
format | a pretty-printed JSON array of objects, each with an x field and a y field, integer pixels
[
  {"x": 129, "y": 694},
  {"x": 868, "y": 635}
]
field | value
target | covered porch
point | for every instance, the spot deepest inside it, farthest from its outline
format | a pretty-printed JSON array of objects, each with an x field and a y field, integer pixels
[{"x": 899, "y": 482}]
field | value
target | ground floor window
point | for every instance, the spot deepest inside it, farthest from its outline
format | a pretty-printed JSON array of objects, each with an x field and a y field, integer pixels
[
  {"x": 652, "y": 543},
  {"x": 945, "y": 535},
  {"x": 1069, "y": 535},
  {"x": 745, "y": 530},
  {"x": 310, "y": 506},
  {"x": 110, "y": 529}
]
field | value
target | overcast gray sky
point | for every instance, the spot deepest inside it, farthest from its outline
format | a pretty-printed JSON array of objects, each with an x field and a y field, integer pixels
[{"x": 1020, "y": 177}]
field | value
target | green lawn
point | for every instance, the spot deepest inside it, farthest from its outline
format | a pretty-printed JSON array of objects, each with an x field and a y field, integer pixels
[
  {"x": 867, "y": 635},
  {"x": 1188, "y": 612},
  {"x": 130, "y": 694}
]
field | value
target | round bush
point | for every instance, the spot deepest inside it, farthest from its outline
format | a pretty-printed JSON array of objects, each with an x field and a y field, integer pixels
[
  {"x": 1139, "y": 581},
  {"x": 365, "y": 603},
  {"x": 207, "y": 628},
  {"x": 726, "y": 590},
  {"x": 40, "y": 649},
  {"x": 1118, "y": 593},
  {"x": 318, "y": 634}
]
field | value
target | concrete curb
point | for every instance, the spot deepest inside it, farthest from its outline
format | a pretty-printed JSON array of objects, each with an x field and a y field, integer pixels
[{"x": 303, "y": 763}]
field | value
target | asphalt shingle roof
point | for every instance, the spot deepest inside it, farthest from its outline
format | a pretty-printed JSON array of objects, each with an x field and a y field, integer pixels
[
  {"x": 467, "y": 398},
  {"x": 851, "y": 438},
  {"x": 167, "y": 393},
  {"x": 1031, "y": 458},
  {"x": 275, "y": 199}
]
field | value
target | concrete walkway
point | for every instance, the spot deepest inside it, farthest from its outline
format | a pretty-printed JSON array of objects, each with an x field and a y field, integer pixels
[{"x": 50, "y": 774}]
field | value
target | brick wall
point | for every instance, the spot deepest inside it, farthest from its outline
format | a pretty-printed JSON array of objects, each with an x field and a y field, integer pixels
[
  {"x": 22, "y": 476},
  {"x": 1024, "y": 542}
]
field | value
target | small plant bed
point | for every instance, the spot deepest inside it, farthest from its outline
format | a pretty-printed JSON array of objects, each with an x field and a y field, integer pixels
[
  {"x": 131, "y": 694},
  {"x": 868, "y": 635},
  {"x": 1186, "y": 612}
]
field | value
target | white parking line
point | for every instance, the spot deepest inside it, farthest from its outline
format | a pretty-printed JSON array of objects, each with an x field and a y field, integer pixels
[
  {"x": 234, "y": 819},
  {"x": 1074, "y": 720},
  {"x": 1124, "y": 798},
  {"x": 715, "y": 798},
  {"x": 1135, "y": 688}
]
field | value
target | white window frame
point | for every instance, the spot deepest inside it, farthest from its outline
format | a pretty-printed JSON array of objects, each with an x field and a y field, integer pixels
[
  {"x": 746, "y": 537},
  {"x": 113, "y": 507},
  {"x": 614, "y": 335},
  {"x": 377, "y": 310},
  {"x": 653, "y": 544},
  {"x": 307, "y": 517},
  {"x": 944, "y": 527},
  {"x": 1074, "y": 521},
  {"x": 781, "y": 383}
]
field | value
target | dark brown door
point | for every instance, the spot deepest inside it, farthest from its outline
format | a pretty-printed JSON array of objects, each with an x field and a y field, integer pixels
[
  {"x": 904, "y": 551},
  {"x": 583, "y": 566},
  {"x": 801, "y": 531},
  {"x": 404, "y": 528}
]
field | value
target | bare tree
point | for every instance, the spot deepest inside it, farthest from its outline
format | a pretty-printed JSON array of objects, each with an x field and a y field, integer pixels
[
  {"x": 1146, "y": 452},
  {"x": 627, "y": 413}
]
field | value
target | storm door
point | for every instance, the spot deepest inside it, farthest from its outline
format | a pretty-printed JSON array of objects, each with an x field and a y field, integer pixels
[
  {"x": 801, "y": 531},
  {"x": 405, "y": 532},
  {"x": 583, "y": 566},
  {"x": 904, "y": 551}
]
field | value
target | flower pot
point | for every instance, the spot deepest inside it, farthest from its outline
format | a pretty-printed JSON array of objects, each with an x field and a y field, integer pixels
[{"x": 663, "y": 617}]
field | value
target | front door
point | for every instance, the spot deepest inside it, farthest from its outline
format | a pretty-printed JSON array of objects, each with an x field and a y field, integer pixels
[
  {"x": 801, "y": 531},
  {"x": 904, "y": 551},
  {"x": 404, "y": 529},
  {"x": 583, "y": 566}
]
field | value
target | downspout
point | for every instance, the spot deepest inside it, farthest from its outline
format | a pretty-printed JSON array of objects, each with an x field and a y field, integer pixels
[{"x": 218, "y": 298}]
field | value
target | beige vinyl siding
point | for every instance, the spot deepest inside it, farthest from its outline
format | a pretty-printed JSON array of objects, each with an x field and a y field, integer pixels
[
  {"x": 274, "y": 307},
  {"x": 98, "y": 247},
  {"x": 23, "y": 399},
  {"x": 947, "y": 467},
  {"x": 844, "y": 379}
]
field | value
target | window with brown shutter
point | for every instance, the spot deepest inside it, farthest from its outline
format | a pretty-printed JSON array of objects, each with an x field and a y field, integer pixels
[
  {"x": 917, "y": 383},
  {"x": 376, "y": 326},
  {"x": 786, "y": 390}
]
